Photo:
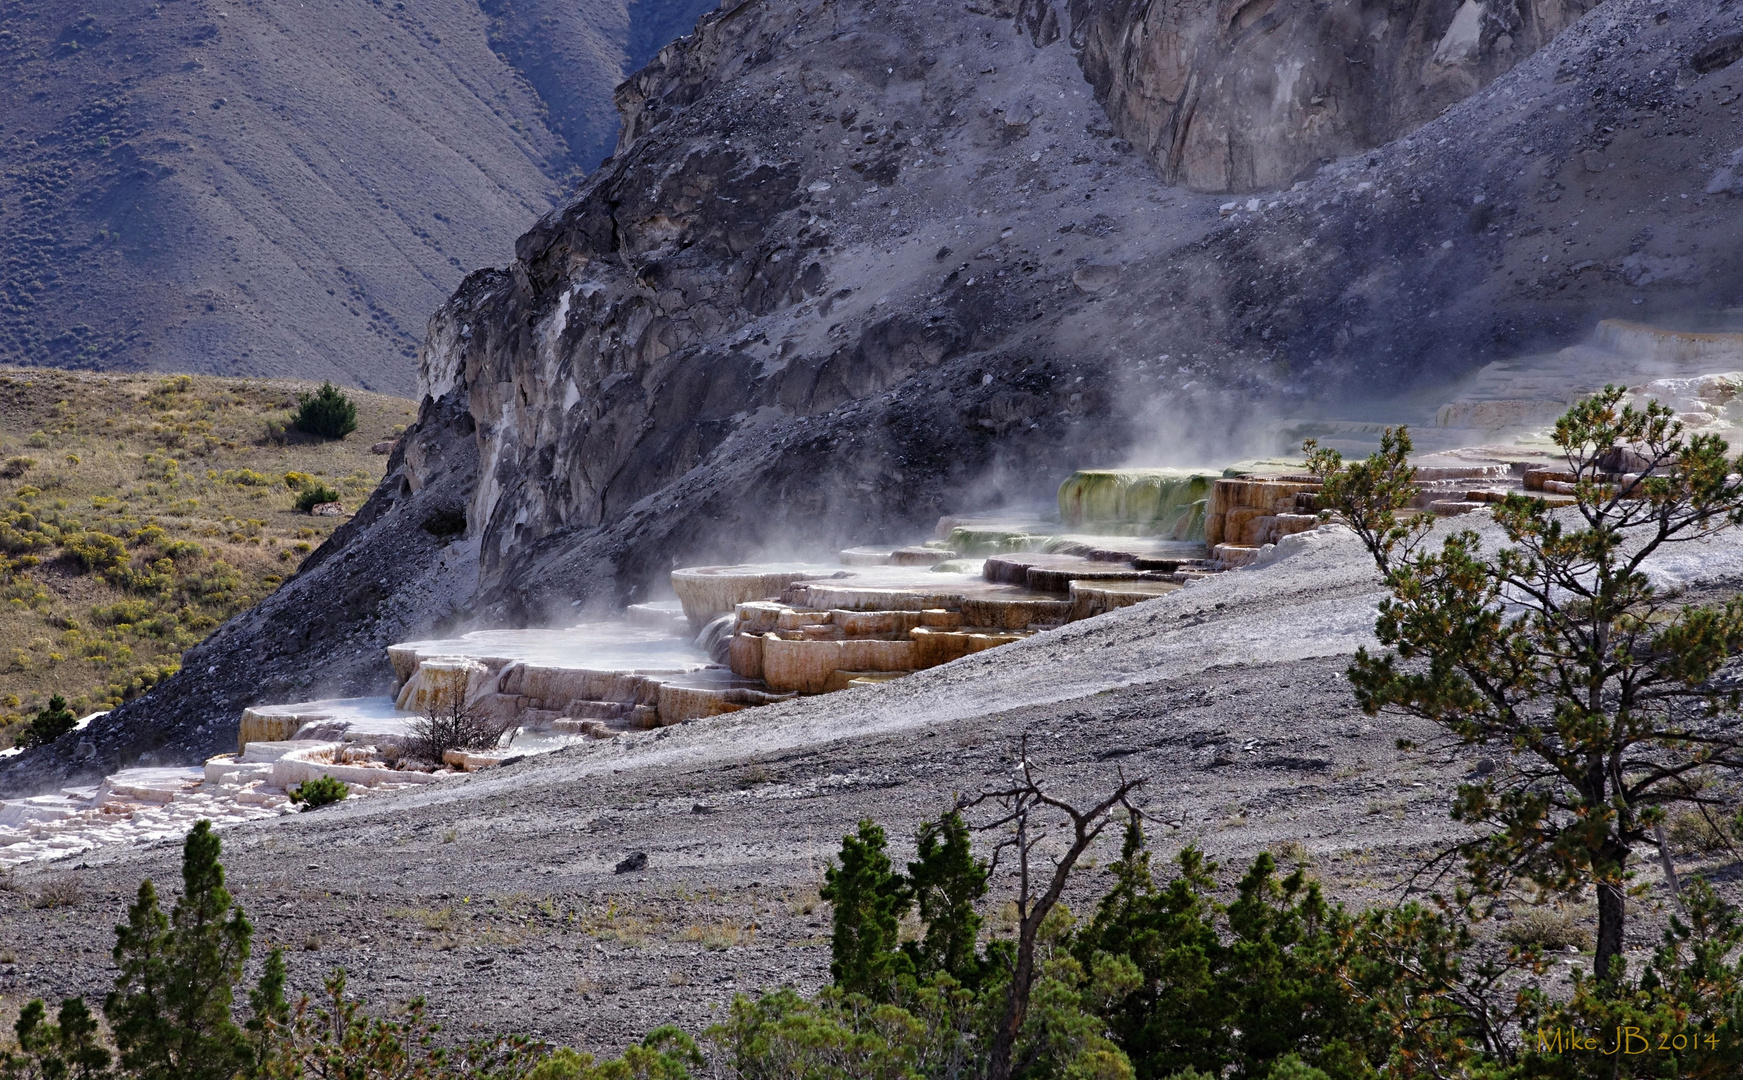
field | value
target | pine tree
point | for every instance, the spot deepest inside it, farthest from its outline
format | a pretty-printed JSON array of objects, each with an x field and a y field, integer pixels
[
  {"x": 1244, "y": 985},
  {"x": 170, "y": 1009},
  {"x": 1180, "y": 1015},
  {"x": 869, "y": 899},
  {"x": 67, "y": 1050},
  {"x": 1613, "y": 703},
  {"x": 272, "y": 1013},
  {"x": 946, "y": 881}
]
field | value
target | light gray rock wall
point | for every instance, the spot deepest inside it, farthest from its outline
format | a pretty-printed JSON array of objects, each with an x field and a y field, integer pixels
[{"x": 1242, "y": 95}]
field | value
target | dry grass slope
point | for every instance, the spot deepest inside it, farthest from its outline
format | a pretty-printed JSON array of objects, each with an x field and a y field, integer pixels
[{"x": 137, "y": 512}]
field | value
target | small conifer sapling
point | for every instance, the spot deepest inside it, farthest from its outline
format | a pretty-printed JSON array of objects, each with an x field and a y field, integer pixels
[
  {"x": 170, "y": 1009},
  {"x": 50, "y": 723},
  {"x": 869, "y": 899}
]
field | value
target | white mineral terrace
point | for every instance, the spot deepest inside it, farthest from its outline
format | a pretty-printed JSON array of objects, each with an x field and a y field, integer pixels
[{"x": 736, "y": 637}]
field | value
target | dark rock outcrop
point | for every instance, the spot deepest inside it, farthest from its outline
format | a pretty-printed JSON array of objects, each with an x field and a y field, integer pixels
[{"x": 858, "y": 264}]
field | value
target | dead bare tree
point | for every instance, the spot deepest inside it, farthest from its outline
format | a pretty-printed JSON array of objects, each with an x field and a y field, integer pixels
[
  {"x": 454, "y": 723},
  {"x": 1024, "y": 804}
]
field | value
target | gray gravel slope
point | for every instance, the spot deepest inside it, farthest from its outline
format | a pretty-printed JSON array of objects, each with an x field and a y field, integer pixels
[{"x": 496, "y": 895}]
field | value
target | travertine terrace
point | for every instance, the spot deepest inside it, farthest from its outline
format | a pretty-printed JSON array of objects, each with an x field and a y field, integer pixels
[{"x": 737, "y": 637}]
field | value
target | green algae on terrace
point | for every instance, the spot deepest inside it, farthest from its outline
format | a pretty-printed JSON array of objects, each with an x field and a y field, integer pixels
[{"x": 1142, "y": 502}]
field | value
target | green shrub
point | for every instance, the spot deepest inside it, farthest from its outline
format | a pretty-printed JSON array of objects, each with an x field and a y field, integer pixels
[
  {"x": 49, "y": 724},
  {"x": 667, "y": 1053},
  {"x": 67, "y": 1049},
  {"x": 319, "y": 792},
  {"x": 784, "y": 1034},
  {"x": 327, "y": 413},
  {"x": 315, "y": 496}
]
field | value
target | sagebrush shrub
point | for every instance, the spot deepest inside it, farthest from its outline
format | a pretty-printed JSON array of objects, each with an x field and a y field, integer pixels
[
  {"x": 95, "y": 551},
  {"x": 1548, "y": 927}
]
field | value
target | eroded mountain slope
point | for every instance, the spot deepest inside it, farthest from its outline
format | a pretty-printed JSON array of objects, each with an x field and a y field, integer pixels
[{"x": 237, "y": 187}]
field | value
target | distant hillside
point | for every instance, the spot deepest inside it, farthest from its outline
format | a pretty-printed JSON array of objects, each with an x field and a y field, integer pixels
[
  {"x": 575, "y": 52},
  {"x": 255, "y": 188}
]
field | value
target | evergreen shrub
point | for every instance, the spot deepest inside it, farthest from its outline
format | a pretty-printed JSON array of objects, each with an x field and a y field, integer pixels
[
  {"x": 319, "y": 792},
  {"x": 50, "y": 723},
  {"x": 326, "y": 414}
]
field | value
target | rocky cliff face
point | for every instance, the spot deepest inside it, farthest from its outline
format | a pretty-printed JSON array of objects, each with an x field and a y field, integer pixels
[
  {"x": 1243, "y": 95},
  {"x": 800, "y": 251},
  {"x": 857, "y": 264}
]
